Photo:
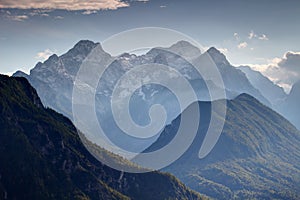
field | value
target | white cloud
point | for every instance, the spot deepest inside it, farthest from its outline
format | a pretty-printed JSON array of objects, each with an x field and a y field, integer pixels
[
  {"x": 242, "y": 45},
  {"x": 252, "y": 35},
  {"x": 39, "y": 12},
  {"x": 263, "y": 37},
  {"x": 162, "y": 6},
  {"x": 141, "y": 0},
  {"x": 44, "y": 15},
  {"x": 283, "y": 71},
  {"x": 44, "y": 54},
  {"x": 223, "y": 50},
  {"x": 236, "y": 36},
  {"x": 64, "y": 4},
  {"x": 88, "y": 12},
  {"x": 291, "y": 61},
  {"x": 58, "y": 17},
  {"x": 17, "y": 17}
]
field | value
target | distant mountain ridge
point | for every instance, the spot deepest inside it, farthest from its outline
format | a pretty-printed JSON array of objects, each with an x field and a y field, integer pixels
[
  {"x": 234, "y": 79},
  {"x": 60, "y": 71},
  {"x": 285, "y": 104},
  {"x": 42, "y": 157},
  {"x": 290, "y": 106},
  {"x": 271, "y": 91}
]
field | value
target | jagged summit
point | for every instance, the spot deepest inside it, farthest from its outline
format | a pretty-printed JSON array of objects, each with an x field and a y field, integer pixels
[
  {"x": 185, "y": 45},
  {"x": 68, "y": 62},
  {"x": 52, "y": 59},
  {"x": 182, "y": 48},
  {"x": 217, "y": 56},
  {"x": 83, "y": 47},
  {"x": 85, "y": 44},
  {"x": 185, "y": 49},
  {"x": 214, "y": 50}
]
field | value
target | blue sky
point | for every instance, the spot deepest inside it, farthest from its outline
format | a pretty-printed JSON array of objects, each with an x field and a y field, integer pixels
[{"x": 258, "y": 33}]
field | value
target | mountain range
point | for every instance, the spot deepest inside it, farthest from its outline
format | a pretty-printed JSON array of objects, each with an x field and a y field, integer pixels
[
  {"x": 54, "y": 80},
  {"x": 257, "y": 154}
]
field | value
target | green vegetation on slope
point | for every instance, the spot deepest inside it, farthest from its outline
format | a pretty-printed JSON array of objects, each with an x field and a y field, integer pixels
[
  {"x": 42, "y": 157},
  {"x": 256, "y": 157}
]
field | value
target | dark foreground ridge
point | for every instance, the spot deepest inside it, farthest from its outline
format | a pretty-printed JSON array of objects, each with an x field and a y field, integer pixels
[{"x": 42, "y": 157}]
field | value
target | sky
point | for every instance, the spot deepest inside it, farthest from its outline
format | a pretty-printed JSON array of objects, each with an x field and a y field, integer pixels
[{"x": 263, "y": 34}]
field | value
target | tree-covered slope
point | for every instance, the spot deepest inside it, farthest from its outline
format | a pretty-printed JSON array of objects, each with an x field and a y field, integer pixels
[
  {"x": 256, "y": 157},
  {"x": 42, "y": 157}
]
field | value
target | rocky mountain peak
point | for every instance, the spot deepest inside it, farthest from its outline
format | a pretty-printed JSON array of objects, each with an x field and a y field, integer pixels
[
  {"x": 85, "y": 44},
  {"x": 49, "y": 65},
  {"x": 52, "y": 58},
  {"x": 182, "y": 48},
  {"x": 185, "y": 45},
  {"x": 83, "y": 47},
  {"x": 185, "y": 49},
  {"x": 217, "y": 56}
]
